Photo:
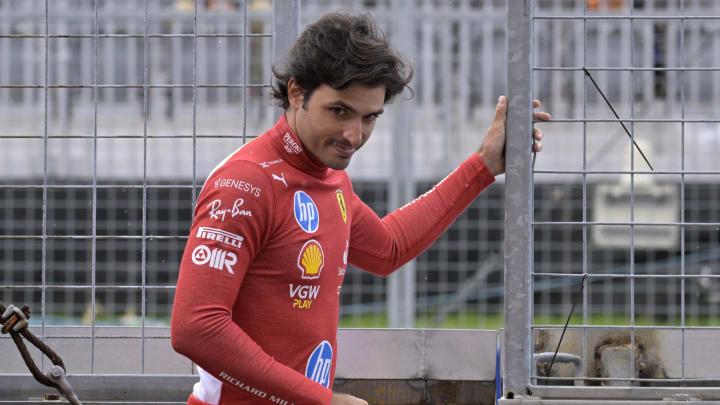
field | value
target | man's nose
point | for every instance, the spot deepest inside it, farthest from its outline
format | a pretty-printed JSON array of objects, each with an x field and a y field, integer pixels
[{"x": 353, "y": 133}]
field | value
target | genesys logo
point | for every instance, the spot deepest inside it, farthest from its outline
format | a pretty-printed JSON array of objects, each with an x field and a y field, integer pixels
[
  {"x": 206, "y": 232},
  {"x": 217, "y": 258},
  {"x": 239, "y": 185},
  {"x": 290, "y": 145},
  {"x": 219, "y": 213},
  {"x": 319, "y": 364},
  {"x": 311, "y": 259},
  {"x": 303, "y": 295},
  {"x": 306, "y": 212}
]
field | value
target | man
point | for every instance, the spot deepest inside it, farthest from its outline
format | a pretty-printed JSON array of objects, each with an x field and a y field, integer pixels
[{"x": 277, "y": 222}]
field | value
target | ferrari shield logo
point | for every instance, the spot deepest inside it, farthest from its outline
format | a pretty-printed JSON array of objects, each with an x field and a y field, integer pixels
[{"x": 341, "y": 203}]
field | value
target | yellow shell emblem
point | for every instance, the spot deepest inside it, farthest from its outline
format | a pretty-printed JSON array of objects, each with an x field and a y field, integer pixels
[
  {"x": 311, "y": 259},
  {"x": 341, "y": 203}
]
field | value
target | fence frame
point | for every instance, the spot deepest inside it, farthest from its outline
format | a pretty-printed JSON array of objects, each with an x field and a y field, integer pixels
[{"x": 521, "y": 385}]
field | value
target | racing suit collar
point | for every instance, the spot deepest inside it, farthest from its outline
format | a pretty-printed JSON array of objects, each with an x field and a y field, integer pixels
[{"x": 292, "y": 150}]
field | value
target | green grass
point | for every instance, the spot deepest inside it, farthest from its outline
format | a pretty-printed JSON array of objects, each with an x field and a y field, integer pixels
[
  {"x": 495, "y": 321},
  {"x": 456, "y": 321},
  {"x": 466, "y": 320}
]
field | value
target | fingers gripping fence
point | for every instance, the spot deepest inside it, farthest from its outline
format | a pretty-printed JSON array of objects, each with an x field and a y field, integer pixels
[{"x": 631, "y": 359}]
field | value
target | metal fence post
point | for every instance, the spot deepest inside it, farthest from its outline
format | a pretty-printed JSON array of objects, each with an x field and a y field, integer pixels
[
  {"x": 518, "y": 201},
  {"x": 401, "y": 284},
  {"x": 286, "y": 28}
]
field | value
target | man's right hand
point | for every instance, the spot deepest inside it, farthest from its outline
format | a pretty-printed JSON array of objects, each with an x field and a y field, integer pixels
[{"x": 345, "y": 399}]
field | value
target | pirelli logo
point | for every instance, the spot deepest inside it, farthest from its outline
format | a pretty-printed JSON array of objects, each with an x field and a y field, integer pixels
[{"x": 230, "y": 239}]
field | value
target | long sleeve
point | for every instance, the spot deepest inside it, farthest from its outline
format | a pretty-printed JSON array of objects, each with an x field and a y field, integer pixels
[
  {"x": 232, "y": 221},
  {"x": 380, "y": 246}
]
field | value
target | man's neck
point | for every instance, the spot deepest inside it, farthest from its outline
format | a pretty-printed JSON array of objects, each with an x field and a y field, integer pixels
[{"x": 291, "y": 117}]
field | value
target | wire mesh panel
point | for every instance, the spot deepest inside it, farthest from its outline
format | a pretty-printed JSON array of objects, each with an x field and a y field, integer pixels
[
  {"x": 149, "y": 149},
  {"x": 115, "y": 113},
  {"x": 611, "y": 280}
]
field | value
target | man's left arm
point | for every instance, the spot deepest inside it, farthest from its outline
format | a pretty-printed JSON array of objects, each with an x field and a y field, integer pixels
[{"x": 382, "y": 246}]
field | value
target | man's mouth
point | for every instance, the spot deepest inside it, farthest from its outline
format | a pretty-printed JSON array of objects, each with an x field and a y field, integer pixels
[{"x": 345, "y": 151}]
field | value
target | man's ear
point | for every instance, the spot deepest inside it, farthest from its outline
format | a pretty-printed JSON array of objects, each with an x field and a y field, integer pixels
[{"x": 295, "y": 94}]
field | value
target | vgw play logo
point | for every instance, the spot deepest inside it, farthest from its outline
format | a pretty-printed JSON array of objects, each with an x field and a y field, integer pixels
[
  {"x": 319, "y": 364},
  {"x": 306, "y": 212}
]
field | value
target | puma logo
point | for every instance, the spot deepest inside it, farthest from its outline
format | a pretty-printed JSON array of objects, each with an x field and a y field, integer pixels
[{"x": 276, "y": 177}]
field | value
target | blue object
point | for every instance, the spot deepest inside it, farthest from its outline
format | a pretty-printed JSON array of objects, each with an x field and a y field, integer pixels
[
  {"x": 319, "y": 364},
  {"x": 498, "y": 377},
  {"x": 306, "y": 212}
]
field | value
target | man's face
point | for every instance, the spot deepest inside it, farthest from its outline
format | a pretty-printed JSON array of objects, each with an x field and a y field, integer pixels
[{"x": 334, "y": 124}]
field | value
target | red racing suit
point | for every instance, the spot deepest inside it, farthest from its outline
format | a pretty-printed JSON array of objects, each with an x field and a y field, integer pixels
[{"x": 256, "y": 305}]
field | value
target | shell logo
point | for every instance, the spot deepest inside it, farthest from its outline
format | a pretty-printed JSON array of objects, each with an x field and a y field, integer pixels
[{"x": 311, "y": 259}]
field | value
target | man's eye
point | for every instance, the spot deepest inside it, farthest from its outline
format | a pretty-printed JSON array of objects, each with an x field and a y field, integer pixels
[
  {"x": 337, "y": 110},
  {"x": 371, "y": 118}
]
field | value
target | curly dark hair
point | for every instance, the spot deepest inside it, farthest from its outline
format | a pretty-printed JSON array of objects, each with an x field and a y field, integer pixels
[{"x": 340, "y": 50}]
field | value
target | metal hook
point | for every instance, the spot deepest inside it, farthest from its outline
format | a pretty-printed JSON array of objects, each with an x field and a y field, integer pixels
[{"x": 57, "y": 375}]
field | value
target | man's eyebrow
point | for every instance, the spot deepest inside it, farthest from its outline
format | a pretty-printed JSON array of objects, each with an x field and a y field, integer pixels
[{"x": 352, "y": 110}]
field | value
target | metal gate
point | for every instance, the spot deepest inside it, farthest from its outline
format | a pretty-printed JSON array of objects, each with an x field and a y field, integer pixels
[{"x": 634, "y": 206}]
